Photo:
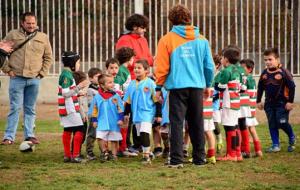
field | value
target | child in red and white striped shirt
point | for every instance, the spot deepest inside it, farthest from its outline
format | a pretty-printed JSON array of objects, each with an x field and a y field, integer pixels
[{"x": 70, "y": 117}]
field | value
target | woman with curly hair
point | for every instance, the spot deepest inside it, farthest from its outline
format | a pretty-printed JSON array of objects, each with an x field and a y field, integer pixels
[{"x": 136, "y": 26}]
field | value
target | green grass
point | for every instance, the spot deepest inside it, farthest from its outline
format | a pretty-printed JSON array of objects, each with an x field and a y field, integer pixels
[{"x": 44, "y": 169}]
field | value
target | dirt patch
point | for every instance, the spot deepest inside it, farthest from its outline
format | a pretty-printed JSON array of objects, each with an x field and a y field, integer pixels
[{"x": 49, "y": 112}]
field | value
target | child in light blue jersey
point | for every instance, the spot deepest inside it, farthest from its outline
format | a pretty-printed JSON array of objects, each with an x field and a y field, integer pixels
[
  {"x": 140, "y": 98},
  {"x": 107, "y": 115}
]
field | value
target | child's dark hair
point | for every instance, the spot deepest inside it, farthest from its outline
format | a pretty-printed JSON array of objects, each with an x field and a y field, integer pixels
[
  {"x": 111, "y": 61},
  {"x": 124, "y": 54},
  {"x": 249, "y": 63},
  {"x": 136, "y": 20},
  {"x": 79, "y": 76},
  {"x": 232, "y": 53},
  {"x": 144, "y": 63},
  {"x": 272, "y": 51},
  {"x": 101, "y": 78},
  {"x": 69, "y": 59},
  {"x": 94, "y": 71},
  {"x": 180, "y": 15}
]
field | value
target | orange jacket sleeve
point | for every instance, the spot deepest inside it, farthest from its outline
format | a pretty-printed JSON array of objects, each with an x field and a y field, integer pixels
[{"x": 162, "y": 63}]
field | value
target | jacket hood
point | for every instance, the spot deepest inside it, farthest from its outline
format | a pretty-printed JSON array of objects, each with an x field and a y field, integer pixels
[{"x": 188, "y": 32}]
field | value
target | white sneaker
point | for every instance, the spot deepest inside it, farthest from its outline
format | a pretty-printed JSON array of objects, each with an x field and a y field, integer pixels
[{"x": 129, "y": 154}]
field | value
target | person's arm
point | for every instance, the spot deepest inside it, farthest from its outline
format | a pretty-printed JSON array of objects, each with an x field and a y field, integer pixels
[
  {"x": 162, "y": 63},
  {"x": 290, "y": 85},
  {"x": 260, "y": 89},
  {"x": 47, "y": 60},
  {"x": 208, "y": 65},
  {"x": 6, "y": 47},
  {"x": 222, "y": 81},
  {"x": 124, "y": 41},
  {"x": 6, "y": 68}
]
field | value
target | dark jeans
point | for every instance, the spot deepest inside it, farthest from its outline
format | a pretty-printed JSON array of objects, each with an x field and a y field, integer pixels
[
  {"x": 278, "y": 117},
  {"x": 186, "y": 103}
]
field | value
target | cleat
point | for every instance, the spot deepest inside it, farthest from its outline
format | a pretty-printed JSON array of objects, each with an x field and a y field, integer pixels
[
  {"x": 211, "y": 160},
  {"x": 273, "y": 149},
  {"x": 227, "y": 158}
]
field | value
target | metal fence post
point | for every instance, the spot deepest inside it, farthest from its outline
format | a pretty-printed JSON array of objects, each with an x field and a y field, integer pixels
[{"x": 139, "y": 6}]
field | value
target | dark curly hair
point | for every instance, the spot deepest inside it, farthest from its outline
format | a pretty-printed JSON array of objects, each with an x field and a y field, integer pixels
[
  {"x": 180, "y": 15},
  {"x": 136, "y": 20},
  {"x": 124, "y": 54}
]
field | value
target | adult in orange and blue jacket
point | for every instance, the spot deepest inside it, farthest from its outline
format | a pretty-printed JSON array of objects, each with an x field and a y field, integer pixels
[{"x": 185, "y": 67}]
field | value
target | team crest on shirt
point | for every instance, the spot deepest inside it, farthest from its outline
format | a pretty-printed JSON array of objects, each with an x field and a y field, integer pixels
[
  {"x": 278, "y": 77},
  {"x": 65, "y": 81},
  {"x": 115, "y": 101},
  {"x": 146, "y": 89}
]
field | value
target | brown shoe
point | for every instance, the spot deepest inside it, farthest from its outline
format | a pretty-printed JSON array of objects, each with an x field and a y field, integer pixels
[
  {"x": 33, "y": 140},
  {"x": 7, "y": 142}
]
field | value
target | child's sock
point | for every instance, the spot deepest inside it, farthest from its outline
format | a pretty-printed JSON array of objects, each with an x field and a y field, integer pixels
[
  {"x": 77, "y": 143},
  {"x": 66, "y": 138},
  {"x": 245, "y": 146},
  {"x": 238, "y": 143},
  {"x": 230, "y": 143},
  {"x": 210, "y": 153},
  {"x": 257, "y": 146}
]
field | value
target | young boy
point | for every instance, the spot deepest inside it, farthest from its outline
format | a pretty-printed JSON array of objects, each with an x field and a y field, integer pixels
[
  {"x": 125, "y": 56},
  {"x": 93, "y": 74},
  {"x": 80, "y": 76},
  {"x": 140, "y": 98},
  {"x": 251, "y": 121},
  {"x": 228, "y": 84},
  {"x": 209, "y": 128},
  {"x": 107, "y": 115},
  {"x": 279, "y": 88},
  {"x": 70, "y": 117},
  {"x": 112, "y": 67},
  {"x": 216, "y": 106}
]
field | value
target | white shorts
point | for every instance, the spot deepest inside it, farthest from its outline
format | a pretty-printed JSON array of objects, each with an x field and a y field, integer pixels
[
  {"x": 251, "y": 121},
  {"x": 217, "y": 116},
  {"x": 145, "y": 127},
  {"x": 229, "y": 117},
  {"x": 208, "y": 125},
  {"x": 245, "y": 111},
  {"x": 109, "y": 135},
  {"x": 164, "y": 129}
]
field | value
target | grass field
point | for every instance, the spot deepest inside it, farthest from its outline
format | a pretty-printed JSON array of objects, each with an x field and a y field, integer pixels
[{"x": 44, "y": 168}]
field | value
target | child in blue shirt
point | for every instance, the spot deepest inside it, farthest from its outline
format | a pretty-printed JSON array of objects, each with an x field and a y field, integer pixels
[
  {"x": 140, "y": 98},
  {"x": 107, "y": 115}
]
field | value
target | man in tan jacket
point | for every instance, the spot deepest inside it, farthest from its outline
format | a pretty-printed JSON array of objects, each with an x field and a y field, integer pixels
[{"x": 26, "y": 66}]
